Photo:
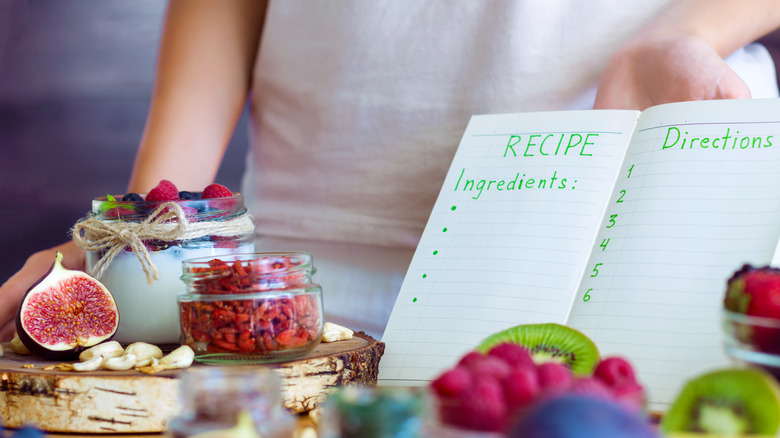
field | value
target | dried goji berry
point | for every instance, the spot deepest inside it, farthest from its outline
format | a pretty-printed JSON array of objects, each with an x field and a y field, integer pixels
[
  {"x": 270, "y": 343},
  {"x": 285, "y": 337},
  {"x": 226, "y": 345},
  {"x": 246, "y": 345},
  {"x": 271, "y": 313}
]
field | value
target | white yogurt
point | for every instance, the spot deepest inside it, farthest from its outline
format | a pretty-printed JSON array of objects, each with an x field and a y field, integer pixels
[{"x": 150, "y": 312}]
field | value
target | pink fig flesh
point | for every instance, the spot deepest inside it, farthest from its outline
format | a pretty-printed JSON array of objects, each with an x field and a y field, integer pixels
[{"x": 65, "y": 312}]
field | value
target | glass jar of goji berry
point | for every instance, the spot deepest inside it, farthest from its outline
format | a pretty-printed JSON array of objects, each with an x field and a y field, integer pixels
[{"x": 250, "y": 308}]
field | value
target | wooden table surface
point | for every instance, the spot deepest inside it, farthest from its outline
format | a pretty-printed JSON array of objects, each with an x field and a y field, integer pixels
[{"x": 130, "y": 402}]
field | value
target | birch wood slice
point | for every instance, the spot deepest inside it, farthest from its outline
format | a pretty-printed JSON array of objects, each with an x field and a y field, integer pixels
[{"x": 133, "y": 402}]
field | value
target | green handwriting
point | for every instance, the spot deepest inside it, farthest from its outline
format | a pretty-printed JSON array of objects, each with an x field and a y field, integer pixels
[
  {"x": 516, "y": 183},
  {"x": 550, "y": 144},
  {"x": 728, "y": 141}
]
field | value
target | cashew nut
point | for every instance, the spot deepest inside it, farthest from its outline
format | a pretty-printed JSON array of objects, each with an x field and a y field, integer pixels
[
  {"x": 151, "y": 362},
  {"x": 17, "y": 346},
  {"x": 88, "y": 365},
  {"x": 334, "y": 332},
  {"x": 181, "y": 357},
  {"x": 104, "y": 350},
  {"x": 120, "y": 363},
  {"x": 144, "y": 353}
]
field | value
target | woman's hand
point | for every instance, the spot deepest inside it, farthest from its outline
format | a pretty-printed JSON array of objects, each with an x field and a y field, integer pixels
[
  {"x": 678, "y": 56},
  {"x": 664, "y": 69},
  {"x": 36, "y": 266}
]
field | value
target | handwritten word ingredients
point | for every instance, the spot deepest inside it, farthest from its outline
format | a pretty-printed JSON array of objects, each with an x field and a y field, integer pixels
[{"x": 518, "y": 182}]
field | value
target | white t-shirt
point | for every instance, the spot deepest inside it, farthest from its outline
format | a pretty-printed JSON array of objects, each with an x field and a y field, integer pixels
[{"x": 358, "y": 107}]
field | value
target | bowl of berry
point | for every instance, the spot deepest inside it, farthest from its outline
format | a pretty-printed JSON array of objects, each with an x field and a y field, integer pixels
[
  {"x": 516, "y": 382},
  {"x": 751, "y": 317}
]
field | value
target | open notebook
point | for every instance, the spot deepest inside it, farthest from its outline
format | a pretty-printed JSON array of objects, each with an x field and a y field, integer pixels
[{"x": 624, "y": 225}]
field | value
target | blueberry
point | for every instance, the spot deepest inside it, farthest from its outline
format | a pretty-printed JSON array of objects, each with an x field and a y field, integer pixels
[
  {"x": 132, "y": 197},
  {"x": 189, "y": 195}
]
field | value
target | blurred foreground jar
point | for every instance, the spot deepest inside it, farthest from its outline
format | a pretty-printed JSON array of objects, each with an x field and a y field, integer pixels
[
  {"x": 251, "y": 308},
  {"x": 232, "y": 401},
  {"x": 136, "y": 249},
  {"x": 389, "y": 412}
]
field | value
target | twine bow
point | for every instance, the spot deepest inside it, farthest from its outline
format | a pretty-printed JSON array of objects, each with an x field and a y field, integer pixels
[{"x": 91, "y": 234}]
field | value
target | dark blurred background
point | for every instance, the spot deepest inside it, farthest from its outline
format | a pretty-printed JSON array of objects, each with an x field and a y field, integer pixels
[{"x": 75, "y": 83}]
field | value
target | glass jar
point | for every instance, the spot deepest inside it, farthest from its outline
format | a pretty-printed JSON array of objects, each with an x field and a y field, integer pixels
[
  {"x": 388, "y": 412},
  {"x": 148, "y": 310},
  {"x": 250, "y": 308},
  {"x": 222, "y": 401}
]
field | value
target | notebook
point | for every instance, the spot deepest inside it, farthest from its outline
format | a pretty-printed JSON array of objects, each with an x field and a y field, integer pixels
[{"x": 622, "y": 224}]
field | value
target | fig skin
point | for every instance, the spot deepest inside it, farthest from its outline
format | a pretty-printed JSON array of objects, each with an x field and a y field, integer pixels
[{"x": 60, "y": 273}]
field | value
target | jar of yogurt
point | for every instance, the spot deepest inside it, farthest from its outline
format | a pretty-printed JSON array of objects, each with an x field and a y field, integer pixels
[{"x": 136, "y": 249}]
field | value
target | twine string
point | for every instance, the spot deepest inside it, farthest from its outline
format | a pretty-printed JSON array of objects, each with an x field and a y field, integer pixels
[{"x": 91, "y": 234}]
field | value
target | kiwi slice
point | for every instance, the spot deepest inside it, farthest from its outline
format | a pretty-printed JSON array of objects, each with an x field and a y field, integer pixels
[
  {"x": 549, "y": 342},
  {"x": 727, "y": 402}
]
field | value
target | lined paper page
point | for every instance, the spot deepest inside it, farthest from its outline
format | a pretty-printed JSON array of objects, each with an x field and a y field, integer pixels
[
  {"x": 697, "y": 197},
  {"x": 508, "y": 237}
]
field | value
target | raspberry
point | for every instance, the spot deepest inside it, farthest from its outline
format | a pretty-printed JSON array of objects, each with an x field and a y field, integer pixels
[
  {"x": 513, "y": 354},
  {"x": 118, "y": 212},
  {"x": 189, "y": 211},
  {"x": 615, "y": 372},
  {"x": 165, "y": 191},
  {"x": 453, "y": 382},
  {"x": 590, "y": 387},
  {"x": 554, "y": 376},
  {"x": 490, "y": 366},
  {"x": 521, "y": 387},
  {"x": 216, "y": 191},
  {"x": 482, "y": 407},
  {"x": 470, "y": 358},
  {"x": 631, "y": 396}
]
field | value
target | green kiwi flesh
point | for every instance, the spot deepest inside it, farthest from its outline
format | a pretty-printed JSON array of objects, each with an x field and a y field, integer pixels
[
  {"x": 726, "y": 402},
  {"x": 550, "y": 342}
]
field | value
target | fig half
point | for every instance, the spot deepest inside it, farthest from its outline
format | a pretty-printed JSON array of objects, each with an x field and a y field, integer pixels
[{"x": 65, "y": 312}]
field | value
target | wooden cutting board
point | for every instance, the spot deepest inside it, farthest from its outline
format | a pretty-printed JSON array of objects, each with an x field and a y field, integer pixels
[{"x": 133, "y": 402}]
